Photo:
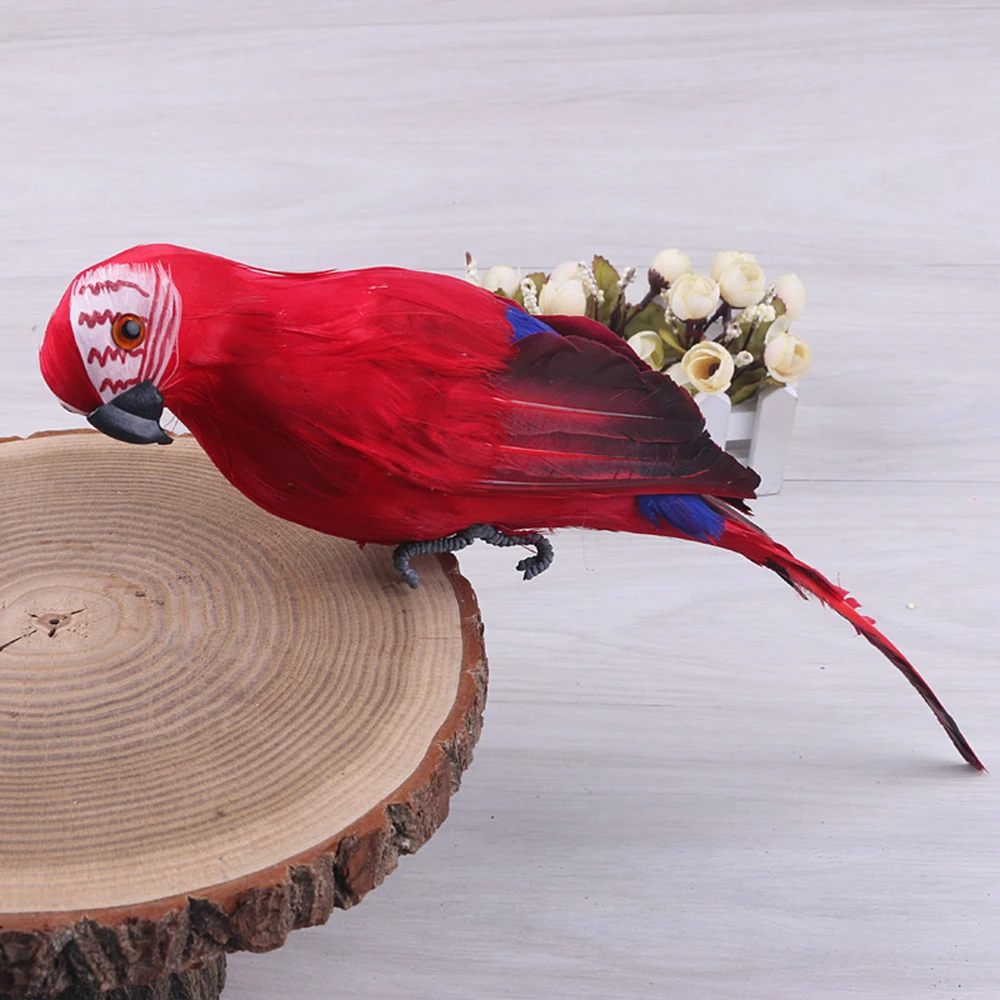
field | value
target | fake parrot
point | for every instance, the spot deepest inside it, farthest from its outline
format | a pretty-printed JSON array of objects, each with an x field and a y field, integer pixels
[{"x": 410, "y": 409}]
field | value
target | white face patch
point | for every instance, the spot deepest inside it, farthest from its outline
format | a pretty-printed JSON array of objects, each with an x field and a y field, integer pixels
[{"x": 102, "y": 295}]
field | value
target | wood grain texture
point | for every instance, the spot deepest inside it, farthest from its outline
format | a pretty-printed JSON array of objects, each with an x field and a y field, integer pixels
[{"x": 217, "y": 727}]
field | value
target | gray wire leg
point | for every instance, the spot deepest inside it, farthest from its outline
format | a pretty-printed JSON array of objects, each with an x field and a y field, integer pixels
[{"x": 530, "y": 566}]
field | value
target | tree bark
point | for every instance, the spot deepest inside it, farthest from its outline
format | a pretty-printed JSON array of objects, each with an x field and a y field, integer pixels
[{"x": 195, "y": 984}]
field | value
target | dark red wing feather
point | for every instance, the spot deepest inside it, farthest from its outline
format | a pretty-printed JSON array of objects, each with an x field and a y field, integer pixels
[
  {"x": 590, "y": 329},
  {"x": 581, "y": 414}
]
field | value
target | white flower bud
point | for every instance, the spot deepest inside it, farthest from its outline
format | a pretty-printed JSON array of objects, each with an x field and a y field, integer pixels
[
  {"x": 566, "y": 299},
  {"x": 501, "y": 278},
  {"x": 787, "y": 358},
  {"x": 743, "y": 283},
  {"x": 725, "y": 259},
  {"x": 742, "y": 359},
  {"x": 670, "y": 265},
  {"x": 780, "y": 325},
  {"x": 648, "y": 345},
  {"x": 709, "y": 367},
  {"x": 566, "y": 271},
  {"x": 677, "y": 373},
  {"x": 792, "y": 293},
  {"x": 693, "y": 296}
]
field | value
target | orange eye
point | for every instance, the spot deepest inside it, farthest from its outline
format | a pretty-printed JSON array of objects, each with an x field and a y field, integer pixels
[{"x": 128, "y": 331}]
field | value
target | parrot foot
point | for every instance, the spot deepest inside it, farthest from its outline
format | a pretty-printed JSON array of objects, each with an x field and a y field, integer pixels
[{"x": 529, "y": 567}]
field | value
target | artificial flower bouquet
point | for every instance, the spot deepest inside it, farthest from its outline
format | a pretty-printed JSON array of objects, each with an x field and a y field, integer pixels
[{"x": 727, "y": 331}]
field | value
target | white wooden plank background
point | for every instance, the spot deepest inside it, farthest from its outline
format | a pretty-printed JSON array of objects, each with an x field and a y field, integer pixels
[{"x": 690, "y": 784}]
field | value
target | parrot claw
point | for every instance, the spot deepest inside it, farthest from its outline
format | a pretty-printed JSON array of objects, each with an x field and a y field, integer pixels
[
  {"x": 539, "y": 562},
  {"x": 530, "y": 567},
  {"x": 408, "y": 574}
]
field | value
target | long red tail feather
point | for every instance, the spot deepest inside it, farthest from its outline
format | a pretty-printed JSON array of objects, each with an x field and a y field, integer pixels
[{"x": 742, "y": 536}]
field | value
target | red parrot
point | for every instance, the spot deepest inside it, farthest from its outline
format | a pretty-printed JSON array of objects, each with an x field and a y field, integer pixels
[{"x": 410, "y": 409}]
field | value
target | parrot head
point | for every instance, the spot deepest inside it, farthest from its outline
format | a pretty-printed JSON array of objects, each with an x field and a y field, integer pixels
[{"x": 111, "y": 345}]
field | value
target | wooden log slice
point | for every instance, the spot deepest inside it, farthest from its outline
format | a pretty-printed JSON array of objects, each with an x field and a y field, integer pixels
[{"x": 215, "y": 726}]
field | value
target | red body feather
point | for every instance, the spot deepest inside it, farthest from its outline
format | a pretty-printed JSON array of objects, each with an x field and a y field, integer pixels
[{"x": 386, "y": 405}]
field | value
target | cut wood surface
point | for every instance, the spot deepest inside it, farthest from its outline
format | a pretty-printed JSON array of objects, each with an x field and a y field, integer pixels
[{"x": 215, "y": 726}]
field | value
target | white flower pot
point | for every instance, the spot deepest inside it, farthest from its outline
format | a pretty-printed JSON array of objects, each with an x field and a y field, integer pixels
[{"x": 757, "y": 432}]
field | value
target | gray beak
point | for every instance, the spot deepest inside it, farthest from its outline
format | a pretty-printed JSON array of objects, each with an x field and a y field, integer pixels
[{"x": 133, "y": 416}]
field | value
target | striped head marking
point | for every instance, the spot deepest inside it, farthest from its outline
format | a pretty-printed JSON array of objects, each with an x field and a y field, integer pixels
[{"x": 125, "y": 319}]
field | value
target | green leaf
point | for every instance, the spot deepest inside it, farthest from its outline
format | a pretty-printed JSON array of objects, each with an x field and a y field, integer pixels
[
  {"x": 614, "y": 322},
  {"x": 755, "y": 345},
  {"x": 605, "y": 273},
  {"x": 746, "y": 383},
  {"x": 651, "y": 318},
  {"x": 670, "y": 339},
  {"x": 742, "y": 394},
  {"x": 610, "y": 305},
  {"x": 747, "y": 375},
  {"x": 537, "y": 278},
  {"x": 607, "y": 281}
]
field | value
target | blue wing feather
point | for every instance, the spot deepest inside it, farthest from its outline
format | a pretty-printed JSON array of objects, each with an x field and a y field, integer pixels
[
  {"x": 686, "y": 512},
  {"x": 523, "y": 324}
]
